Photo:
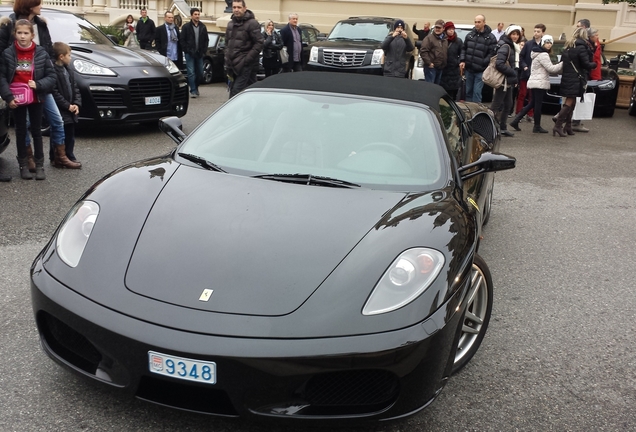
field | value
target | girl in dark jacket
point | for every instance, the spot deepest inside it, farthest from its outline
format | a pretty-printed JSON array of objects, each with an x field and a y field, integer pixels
[
  {"x": 451, "y": 78},
  {"x": 576, "y": 67},
  {"x": 502, "y": 99},
  {"x": 271, "y": 49},
  {"x": 27, "y": 63}
]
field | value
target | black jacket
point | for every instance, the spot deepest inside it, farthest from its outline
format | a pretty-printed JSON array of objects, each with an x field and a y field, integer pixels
[
  {"x": 44, "y": 75},
  {"x": 7, "y": 38},
  {"x": 145, "y": 30},
  {"x": 188, "y": 42},
  {"x": 244, "y": 43},
  {"x": 478, "y": 48},
  {"x": 272, "y": 45},
  {"x": 451, "y": 78},
  {"x": 421, "y": 34},
  {"x": 506, "y": 60},
  {"x": 161, "y": 41},
  {"x": 525, "y": 59},
  {"x": 288, "y": 41},
  {"x": 579, "y": 57},
  {"x": 65, "y": 97},
  {"x": 396, "y": 51}
]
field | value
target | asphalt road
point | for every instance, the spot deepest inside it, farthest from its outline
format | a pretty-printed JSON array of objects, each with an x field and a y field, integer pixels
[{"x": 560, "y": 244}]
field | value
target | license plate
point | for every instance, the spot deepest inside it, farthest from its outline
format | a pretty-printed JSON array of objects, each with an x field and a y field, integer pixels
[
  {"x": 153, "y": 100},
  {"x": 182, "y": 368}
]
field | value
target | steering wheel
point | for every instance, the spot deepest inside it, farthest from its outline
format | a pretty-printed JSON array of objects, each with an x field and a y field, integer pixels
[{"x": 387, "y": 147}]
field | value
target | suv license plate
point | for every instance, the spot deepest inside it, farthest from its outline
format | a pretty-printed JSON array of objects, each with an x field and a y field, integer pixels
[
  {"x": 153, "y": 100},
  {"x": 182, "y": 368}
]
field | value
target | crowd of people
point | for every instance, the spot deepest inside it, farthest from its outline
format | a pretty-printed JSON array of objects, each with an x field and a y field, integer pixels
[{"x": 32, "y": 62}]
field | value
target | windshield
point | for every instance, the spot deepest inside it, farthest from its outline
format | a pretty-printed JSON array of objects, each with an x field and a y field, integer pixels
[
  {"x": 357, "y": 140},
  {"x": 360, "y": 31},
  {"x": 72, "y": 29}
]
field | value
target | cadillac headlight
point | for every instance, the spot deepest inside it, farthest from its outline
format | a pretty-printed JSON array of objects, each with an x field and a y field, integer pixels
[
  {"x": 89, "y": 68},
  {"x": 313, "y": 54},
  {"x": 377, "y": 57},
  {"x": 406, "y": 278},
  {"x": 75, "y": 232}
]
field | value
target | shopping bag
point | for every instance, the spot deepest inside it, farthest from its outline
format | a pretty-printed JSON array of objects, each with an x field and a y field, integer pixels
[
  {"x": 584, "y": 110},
  {"x": 284, "y": 57}
]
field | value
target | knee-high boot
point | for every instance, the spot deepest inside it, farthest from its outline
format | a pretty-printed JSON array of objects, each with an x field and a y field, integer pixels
[
  {"x": 561, "y": 117},
  {"x": 567, "y": 126}
]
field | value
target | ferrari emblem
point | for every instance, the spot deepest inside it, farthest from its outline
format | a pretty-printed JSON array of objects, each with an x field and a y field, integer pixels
[{"x": 205, "y": 295}]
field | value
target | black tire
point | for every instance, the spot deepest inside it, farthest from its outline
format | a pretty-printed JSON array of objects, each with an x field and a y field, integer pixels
[
  {"x": 477, "y": 314},
  {"x": 632, "y": 103},
  {"x": 208, "y": 74}
]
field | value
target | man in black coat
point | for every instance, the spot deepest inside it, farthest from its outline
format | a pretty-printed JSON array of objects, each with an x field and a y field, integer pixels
[
  {"x": 479, "y": 46},
  {"x": 293, "y": 41},
  {"x": 145, "y": 30},
  {"x": 244, "y": 45},
  {"x": 525, "y": 63},
  {"x": 194, "y": 42},
  {"x": 167, "y": 40}
]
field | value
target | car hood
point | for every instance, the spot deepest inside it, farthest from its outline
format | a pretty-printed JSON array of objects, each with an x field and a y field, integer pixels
[
  {"x": 113, "y": 56},
  {"x": 348, "y": 44},
  {"x": 262, "y": 247}
]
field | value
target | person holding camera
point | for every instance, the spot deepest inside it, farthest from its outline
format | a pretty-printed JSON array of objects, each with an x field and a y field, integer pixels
[
  {"x": 395, "y": 47},
  {"x": 167, "y": 40}
]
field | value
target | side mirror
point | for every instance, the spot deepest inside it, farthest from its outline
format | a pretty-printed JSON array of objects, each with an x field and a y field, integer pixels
[
  {"x": 172, "y": 127},
  {"x": 488, "y": 162},
  {"x": 321, "y": 36}
]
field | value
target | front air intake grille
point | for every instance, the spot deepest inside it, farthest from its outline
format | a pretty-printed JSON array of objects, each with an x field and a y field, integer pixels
[
  {"x": 369, "y": 390},
  {"x": 186, "y": 396},
  {"x": 343, "y": 58},
  {"x": 68, "y": 344},
  {"x": 140, "y": 89},
  {"x": 108, "y": 99}
]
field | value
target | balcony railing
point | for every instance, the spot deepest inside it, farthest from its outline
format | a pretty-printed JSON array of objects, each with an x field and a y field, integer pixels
[{"x": 61, "y": 3}]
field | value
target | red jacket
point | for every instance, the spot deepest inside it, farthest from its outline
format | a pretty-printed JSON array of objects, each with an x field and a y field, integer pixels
[{"x": 595, "y": 74}]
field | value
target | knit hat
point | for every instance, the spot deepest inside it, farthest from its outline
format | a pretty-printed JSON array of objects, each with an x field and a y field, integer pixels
[
  {"x": 398, "y": 23},
  {"x": 512, "y": 28},
  {"x": 449, "y": 24},
  {"x": 546, "y": 38},
  {"x": 439, "y": 23}
]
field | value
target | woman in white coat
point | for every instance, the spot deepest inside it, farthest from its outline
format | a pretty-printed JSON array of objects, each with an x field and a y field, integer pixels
[{"x": 539, "y": 82}]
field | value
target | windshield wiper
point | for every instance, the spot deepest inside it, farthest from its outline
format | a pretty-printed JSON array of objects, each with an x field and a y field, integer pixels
[
  {"x": 366, "y": 39},
  {"x": 202, "y": 162},
  {"x": 338, "y": 38},
  {"x": 308, "y": 179}
]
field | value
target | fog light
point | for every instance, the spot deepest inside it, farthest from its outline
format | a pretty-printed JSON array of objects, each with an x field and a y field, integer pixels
[
  {"x": 109, "y": 114},
  {"x": 101, "y": 114}
]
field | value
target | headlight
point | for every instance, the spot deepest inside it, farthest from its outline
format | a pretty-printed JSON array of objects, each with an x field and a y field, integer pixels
[
  {"x": 75, "y": 232},
  {"x": 88, "y": 68},
  {"x": 607, "y": 85},
  {"x": 313, "y": 54},
  {"x": 172, "y": 68},
  {"x": 405, "y": 279},
  {"x": 377, "y": 57}
]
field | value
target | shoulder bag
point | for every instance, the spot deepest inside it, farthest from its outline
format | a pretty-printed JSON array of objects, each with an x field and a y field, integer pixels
[
  {"x": 491, "y": 76},
  {"x": 22, "y": 93}
]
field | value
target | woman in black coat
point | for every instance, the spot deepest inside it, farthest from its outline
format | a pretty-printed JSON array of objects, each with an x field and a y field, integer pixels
[
  {"x": 502, "y": 99},
  {"x": 451, "y": 78},
  {"x": 576, "y": 67},
  {"x": 271, "y": 49}
]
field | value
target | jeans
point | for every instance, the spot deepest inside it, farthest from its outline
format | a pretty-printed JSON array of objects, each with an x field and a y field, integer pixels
[
  {"x": 536, "y": 100},
  {"x": 21, "y": 125},
  {"x": 432, "y": 75},
  {"x": 474, "y": 86},
  {"x": 194, "y": 67},
  {"x": 53, "y": 116}
]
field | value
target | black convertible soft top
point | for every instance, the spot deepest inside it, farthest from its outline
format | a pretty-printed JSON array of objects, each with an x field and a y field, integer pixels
[{"x": 357, "y": 84}]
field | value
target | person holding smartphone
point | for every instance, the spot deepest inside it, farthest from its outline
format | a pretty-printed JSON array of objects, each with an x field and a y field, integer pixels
[{"x": 395, "y": 47}]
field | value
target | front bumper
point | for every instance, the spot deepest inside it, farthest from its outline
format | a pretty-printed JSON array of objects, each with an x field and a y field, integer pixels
[{"x": 367, "y": 377}]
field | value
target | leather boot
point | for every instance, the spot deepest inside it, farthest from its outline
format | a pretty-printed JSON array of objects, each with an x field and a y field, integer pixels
[
  {"x": 61, "y": 161},
  {"x": 39, "y": 169},
  {"x": 30, "y": 160},
  {"x": 567, "y": 126},
  {"x": 563, "y": 114},
  {"x": 24, "y": 169}
]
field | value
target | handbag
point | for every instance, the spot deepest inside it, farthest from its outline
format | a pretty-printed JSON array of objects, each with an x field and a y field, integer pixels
[
  {"x": 22, "y": 93},
  {"x": 491, "y": 76},
  {"x": 584, "y": 110},
  {"x": 284, "y": 57}
]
